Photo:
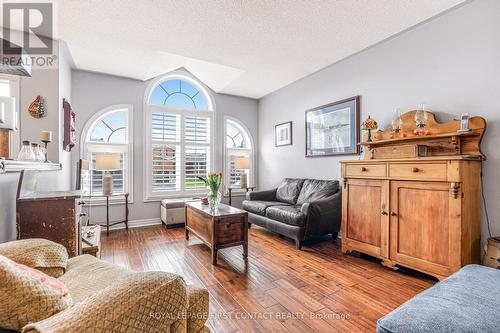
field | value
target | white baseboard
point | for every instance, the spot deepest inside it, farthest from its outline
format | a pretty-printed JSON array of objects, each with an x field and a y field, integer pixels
[{"x": 134, "y": 224}]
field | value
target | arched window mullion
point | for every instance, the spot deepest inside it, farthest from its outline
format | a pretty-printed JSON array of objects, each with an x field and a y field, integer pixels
[
  {"x": 238, "y": 147},
  {"x": 100, "y": 136}
]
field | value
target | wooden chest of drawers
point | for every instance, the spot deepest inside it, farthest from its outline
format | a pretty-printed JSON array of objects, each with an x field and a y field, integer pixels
[{"x": 50, "y": 215}]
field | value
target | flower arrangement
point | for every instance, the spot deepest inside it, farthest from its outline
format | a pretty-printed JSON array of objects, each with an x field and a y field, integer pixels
[{"x": 213, "y": 181}]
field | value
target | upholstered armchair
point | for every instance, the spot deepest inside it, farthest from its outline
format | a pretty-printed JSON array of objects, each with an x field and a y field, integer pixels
[{"x": 108, "y": 298}]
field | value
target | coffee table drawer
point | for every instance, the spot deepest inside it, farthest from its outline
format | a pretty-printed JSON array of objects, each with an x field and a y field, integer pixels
[{"x": 230, "y": 230}]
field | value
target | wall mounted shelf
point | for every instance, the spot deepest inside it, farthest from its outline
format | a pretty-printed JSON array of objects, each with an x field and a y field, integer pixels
[{"x": 17, "y": 166}]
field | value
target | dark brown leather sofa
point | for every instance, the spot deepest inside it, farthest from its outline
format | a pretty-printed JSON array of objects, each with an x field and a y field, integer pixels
[{"x": 297, "y": 208}]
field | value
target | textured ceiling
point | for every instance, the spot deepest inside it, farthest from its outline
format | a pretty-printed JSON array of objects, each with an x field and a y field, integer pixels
[{"x": 242, "y": 47}]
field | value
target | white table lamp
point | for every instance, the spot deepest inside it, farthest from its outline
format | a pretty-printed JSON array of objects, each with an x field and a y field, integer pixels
[
  {"x": 243, "y": 163},
  {"x": 107, "y": 163}
]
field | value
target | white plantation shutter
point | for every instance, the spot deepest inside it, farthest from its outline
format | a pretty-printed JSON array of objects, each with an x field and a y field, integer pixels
[
  {"x": 197, "y": 151},
  {"x": 179, "y": 128},
  {"x": 165, "y": 127},
  {"x": 180, "y": 151},
  {"x": 165, "y": 173}
]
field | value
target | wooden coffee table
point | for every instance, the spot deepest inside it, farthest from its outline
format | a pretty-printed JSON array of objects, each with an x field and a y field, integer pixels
[{"x": 223, "y": 227}]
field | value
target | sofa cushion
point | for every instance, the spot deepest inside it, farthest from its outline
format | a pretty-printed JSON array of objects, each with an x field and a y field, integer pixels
[
  {"x": 317, "y": 189},
  {"x": 28, "y": 295},
  {"x": 86, "y": 275},
  {"x": 467, "y": 301},
  {"x": 259, "y": 207},
  {"x": 287, "y": 214},
  {"x": 289, "y": 189}
]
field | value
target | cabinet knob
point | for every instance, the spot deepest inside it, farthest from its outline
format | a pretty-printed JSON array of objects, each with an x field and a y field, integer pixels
[
  {"x": 415, "y": 170},
  {"x": 81, "y": 203},
  {"x": 364, "y": 169},
  {"x": 384, "y": 212},
  {"x": 394, "y": 214}
]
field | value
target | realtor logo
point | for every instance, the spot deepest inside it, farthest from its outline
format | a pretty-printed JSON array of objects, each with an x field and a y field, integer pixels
[{"x": 33, "y": 23}]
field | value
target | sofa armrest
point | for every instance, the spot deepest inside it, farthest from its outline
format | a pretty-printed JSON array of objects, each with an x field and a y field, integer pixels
[
  {"x": 42, "y": 254},
  {"x": 323, "y": 216},
  {"x": 140, "y": 302},
  {"x": 269, "y": 195}
]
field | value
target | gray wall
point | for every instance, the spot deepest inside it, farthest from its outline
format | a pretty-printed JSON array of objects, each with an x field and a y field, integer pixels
[
  {"x": 92, "y": 92},
  {"x": 452, "y": 63},
  {"x": 53, "y": 84}
]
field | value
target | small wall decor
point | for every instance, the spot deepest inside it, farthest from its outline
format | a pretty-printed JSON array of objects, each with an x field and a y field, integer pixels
[
  {"x": 333, "y": 129},
  {"x": 69, "y": 139},
  {"x": 37, "y": 107},
  {"x": 283, "y": 134}
]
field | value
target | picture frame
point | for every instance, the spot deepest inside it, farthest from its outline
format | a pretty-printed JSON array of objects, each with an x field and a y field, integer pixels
[
  {"x": 283, "y": 134},
  {"x": 333, "y": 129}
]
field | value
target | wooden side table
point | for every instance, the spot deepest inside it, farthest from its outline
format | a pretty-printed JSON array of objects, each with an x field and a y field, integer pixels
[
  {"x": 251, "y": 188},
  {"x": 108, "y": 223},
  {"x": 92, "y": 244}
]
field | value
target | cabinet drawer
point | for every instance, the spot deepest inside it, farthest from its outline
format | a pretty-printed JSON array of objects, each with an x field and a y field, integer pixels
[
  {"x": 365, "y": 170},
  {"x": 419, "y": 171}
]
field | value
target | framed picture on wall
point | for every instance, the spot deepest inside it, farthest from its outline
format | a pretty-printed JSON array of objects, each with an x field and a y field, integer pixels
[
  {"x": 283, "y": 134},
  {"x": 333, "y": 129}
]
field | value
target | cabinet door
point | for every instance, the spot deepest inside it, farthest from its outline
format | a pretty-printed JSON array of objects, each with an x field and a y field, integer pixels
[
  {"x": 365, "y": 222},
  {"x": 425, "y": 226}
]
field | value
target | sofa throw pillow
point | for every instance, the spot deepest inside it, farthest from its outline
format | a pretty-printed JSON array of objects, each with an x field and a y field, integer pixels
[
  {"x": 28, "y": 295},
  {"x": 317, "y": 189},
  {"x": 289, "y": 189},
  {"x": 46, "y": 256}
]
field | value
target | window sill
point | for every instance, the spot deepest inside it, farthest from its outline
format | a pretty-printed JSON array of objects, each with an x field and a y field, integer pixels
[{"x": 158, "y": 198}]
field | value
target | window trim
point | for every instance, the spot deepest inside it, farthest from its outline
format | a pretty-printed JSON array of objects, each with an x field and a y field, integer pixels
[
  {"x": 252, "y": 175},
  {"x": 91, "y": 122},
  {"x": 148, "y": 195}
]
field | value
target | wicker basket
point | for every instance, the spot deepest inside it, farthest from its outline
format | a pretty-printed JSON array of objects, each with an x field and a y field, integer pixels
[{"x": 492, "y": 253}]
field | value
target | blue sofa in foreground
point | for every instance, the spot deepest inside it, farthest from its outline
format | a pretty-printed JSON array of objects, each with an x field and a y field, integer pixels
[{"x": 467, "y": 301}]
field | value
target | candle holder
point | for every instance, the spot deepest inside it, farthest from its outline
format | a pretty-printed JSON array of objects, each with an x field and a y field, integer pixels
[
  {"x": 46, "y": 137},
  {"x": 45, "y": 150}
]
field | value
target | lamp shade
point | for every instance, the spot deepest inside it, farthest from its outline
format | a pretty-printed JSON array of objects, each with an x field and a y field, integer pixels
[
  {"x": 242, "y": 163},
  {"x": 107, "y": 162}
]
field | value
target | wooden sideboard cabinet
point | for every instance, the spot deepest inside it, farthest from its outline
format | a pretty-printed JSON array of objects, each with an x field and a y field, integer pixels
[
  {"x": 423, "y": 213},
  {"x": 51, "y": 215}
]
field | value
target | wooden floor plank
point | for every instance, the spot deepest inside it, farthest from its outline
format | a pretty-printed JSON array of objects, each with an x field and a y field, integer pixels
[{"x": 278, "y": 289}]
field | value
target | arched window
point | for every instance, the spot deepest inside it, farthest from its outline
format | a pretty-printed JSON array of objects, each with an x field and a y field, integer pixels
[
  {"x": 179, "y": 122},
  {"x": 109, "y": 131},
  {"x": 239, "y": 152}
]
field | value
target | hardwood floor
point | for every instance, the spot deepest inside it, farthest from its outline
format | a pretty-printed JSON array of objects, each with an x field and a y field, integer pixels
[{"x": 279, "y": 289}]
